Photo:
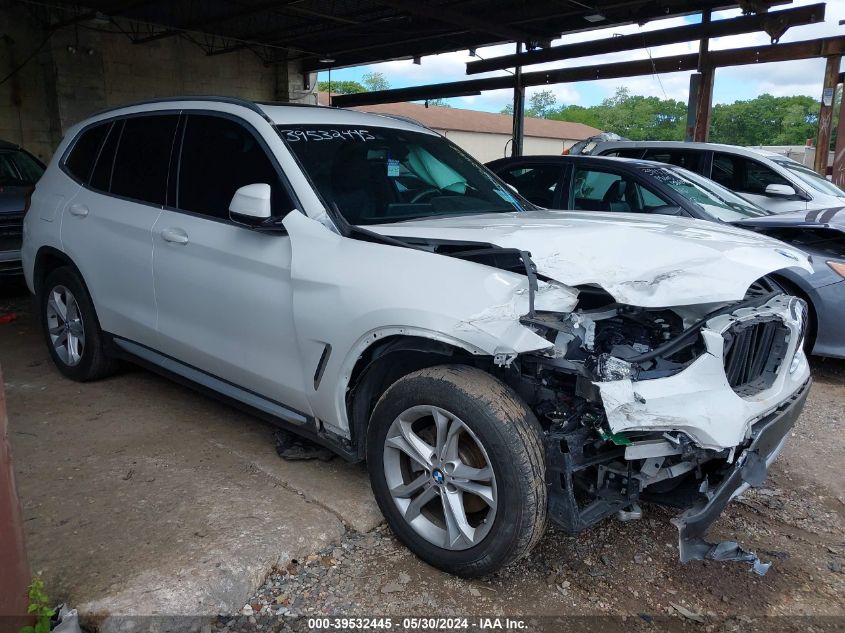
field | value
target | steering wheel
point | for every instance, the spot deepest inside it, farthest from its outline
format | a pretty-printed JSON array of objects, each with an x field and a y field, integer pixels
[{"x": 424, "y": 193}]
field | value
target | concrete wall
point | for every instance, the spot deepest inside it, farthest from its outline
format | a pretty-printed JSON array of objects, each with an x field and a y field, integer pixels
[
  {"x": 486, "y": 147},
  {"x": 81, "y": 70}
]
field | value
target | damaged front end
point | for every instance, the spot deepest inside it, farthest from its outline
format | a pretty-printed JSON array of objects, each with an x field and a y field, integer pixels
[{"x": 684, "y": 407}]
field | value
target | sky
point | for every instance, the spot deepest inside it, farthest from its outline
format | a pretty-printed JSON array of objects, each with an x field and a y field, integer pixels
[{"x": 736, "y": 83}]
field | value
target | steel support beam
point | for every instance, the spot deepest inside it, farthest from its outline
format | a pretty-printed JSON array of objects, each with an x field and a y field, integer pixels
[
  {"x": 518, "y": 134},
  {"x": 775, "y": 22},
  {"x": 807, "y": 49},
  {"x": 448, "y": 16},
  {"x": 831, "y": 79}
]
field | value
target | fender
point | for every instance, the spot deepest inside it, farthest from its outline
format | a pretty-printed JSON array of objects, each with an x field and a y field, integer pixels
[{"x": 348, "y": 294}]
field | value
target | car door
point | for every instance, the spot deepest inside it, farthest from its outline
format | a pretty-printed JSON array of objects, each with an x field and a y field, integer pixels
[
  {"x": 539, "y": 183},
  {"x": 749, "y": 178},
  {"x": 107, "y": 225},
  {"x": 223, "y": 289}
]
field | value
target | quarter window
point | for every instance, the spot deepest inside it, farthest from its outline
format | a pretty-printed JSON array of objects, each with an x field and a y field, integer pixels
[
  {"x": 218, "y": 157},
  {"x": 101, "y": 177},
  {"x": 80, "y": 161},
  {"x": 142, "y": 161}
]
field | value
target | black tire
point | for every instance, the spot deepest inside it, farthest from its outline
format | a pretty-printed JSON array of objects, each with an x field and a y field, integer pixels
[
  {"x": 93, "y": 361},
  {"x": 512, "y": 438}
]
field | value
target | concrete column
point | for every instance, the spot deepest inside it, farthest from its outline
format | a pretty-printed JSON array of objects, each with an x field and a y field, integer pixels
[{"x": 831, "y": 79}]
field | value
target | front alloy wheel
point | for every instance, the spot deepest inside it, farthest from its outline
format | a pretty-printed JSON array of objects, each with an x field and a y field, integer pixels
[
  {"x": 457, "y": 467},
  {"x": 440, "y": 477}
]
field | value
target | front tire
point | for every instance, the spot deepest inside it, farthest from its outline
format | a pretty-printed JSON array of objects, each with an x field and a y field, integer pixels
[
  {"x": 71, "y": 328},
  {"x": 457, "y": 468}
]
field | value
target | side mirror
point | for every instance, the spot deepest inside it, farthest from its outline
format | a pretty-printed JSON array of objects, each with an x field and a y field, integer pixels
[
  {"x": 251, "y": 205},
  {"x": 669, "y": 209},
  {"x": 780, "y": 191}
]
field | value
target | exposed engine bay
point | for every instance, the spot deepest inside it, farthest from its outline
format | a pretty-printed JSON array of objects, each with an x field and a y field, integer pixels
[{"x": 631, "y": 402}]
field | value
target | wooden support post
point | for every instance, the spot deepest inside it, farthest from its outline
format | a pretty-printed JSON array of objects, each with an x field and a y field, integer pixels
[
  {"x": 831, "y": 78},
  {"x": 704, "y": 106},
  {"x": 518, "y": 109},
  {"x": 838, "y": 171},
  {"x": 14, "y": 570},
  {"x": 704, "y": 92}
]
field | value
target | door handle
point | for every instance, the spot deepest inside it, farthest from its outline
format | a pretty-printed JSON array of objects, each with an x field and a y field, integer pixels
[
  {"x": 175, "y": 235},
  {"x": 79, "y": 210}
]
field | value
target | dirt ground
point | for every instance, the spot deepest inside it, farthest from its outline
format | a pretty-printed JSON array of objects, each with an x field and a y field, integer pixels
[{"x": 631, "y": 570}]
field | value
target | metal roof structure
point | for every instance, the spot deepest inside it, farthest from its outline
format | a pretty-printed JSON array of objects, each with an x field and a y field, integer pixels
[{"x": 337, "y": 33}]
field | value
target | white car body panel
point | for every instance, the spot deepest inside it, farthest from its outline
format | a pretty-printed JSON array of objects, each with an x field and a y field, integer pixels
[
  {"x": 648, "y": 261},
  {"x": 201, "y": 297}
]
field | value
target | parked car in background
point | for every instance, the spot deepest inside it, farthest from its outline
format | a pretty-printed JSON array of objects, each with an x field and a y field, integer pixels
[
  {"x": 770, "y": 180},
  {"x": 598, "y": 183},
  {"x": 19, "y": 171},
  {"x": 361, "y": 281}
]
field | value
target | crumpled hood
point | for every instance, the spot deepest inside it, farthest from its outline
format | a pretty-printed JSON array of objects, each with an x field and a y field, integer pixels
[{"x": 643, "y": 260}]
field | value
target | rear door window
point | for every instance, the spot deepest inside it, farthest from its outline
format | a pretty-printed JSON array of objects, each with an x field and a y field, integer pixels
[
  {"x": 83, "y": 154},
  {"x": 597, "y": 190},
  {"x": 537, "y": 183},
  {"x": 688, "y": 159},
  {"x": 142, "y": 161},
  {"x": 218, "y": 157}
]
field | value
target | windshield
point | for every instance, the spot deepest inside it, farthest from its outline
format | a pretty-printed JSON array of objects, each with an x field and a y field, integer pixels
[
  {"x": 716, "y": 201},
  {"x": 811, "y": 178},
  {"x": 378, "y": 175},
  {"x": 18, "y": 169}
]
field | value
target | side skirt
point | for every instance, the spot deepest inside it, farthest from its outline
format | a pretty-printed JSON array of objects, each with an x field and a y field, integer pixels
[{"x": 247, "y": 401}]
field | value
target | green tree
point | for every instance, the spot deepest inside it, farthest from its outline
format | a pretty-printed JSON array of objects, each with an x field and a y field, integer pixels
[
  {"x": 375, "y": 81},
  {"x": 765, "y": 120},
  {"x": 440, "y": 103},
  {"x": 341, "y": 87},
  {"x": 542, "y": 104}
]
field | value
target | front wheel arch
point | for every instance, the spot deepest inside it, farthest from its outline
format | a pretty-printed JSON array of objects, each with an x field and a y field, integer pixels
[{"x": 387, "y": 361}]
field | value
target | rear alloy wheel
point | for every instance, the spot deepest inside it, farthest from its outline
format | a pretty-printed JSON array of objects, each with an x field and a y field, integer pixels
[
  {"x": 64, "y": 326},
  {"x": 71, "y": 328},
  {"x": 457, "y": 467}
]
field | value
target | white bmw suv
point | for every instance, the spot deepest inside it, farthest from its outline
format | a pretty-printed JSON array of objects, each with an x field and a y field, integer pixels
[{"x": 362, "y": 281}]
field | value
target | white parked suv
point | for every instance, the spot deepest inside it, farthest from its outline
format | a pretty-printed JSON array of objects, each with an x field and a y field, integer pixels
[
  {"x": 772, "y": 181},
  {"x": 360, "y": 280}
]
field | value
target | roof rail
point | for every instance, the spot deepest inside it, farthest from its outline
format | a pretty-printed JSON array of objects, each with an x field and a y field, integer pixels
[{"x": 252, "y": 105}]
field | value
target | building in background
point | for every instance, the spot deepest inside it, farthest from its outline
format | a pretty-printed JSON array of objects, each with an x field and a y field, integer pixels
[{"x": 485, "y": 135}]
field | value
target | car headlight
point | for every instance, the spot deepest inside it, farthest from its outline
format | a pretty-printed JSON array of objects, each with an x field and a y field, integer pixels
[{"x": 799, "y": 311}]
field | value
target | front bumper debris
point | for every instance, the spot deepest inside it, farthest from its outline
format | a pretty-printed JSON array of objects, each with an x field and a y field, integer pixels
[{"x": 768, "y": 437}]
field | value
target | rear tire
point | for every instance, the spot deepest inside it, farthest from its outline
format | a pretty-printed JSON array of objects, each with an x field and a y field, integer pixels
[
  {"x": 71, "y": 329},
  {"x": 480, "y": 503}
]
